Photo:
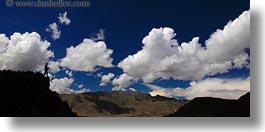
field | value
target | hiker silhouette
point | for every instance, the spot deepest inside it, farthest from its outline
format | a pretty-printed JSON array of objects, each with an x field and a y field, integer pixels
[{"x": 46, "y": 68}]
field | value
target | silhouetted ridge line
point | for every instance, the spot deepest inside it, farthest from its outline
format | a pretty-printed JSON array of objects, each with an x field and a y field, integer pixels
[
  {"x": 27, "y": 94},
  {"x": 215, "y": 107}
]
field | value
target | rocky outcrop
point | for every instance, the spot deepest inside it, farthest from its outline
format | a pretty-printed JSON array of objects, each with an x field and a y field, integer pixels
[{"x": 27, "y": 94}]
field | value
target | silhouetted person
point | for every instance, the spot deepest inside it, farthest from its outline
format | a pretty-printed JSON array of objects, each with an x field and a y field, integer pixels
[{"x": 46, "y": 68}]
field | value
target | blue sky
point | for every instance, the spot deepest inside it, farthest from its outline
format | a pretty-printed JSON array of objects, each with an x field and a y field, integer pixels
[{"x": 125, "y": 24}]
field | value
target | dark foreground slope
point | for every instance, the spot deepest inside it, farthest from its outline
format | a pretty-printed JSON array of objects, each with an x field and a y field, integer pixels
[
  {"x": 214, "y": 107},
  {"x": 28, "y": 94},
  {"x": 122, "y": 104}
]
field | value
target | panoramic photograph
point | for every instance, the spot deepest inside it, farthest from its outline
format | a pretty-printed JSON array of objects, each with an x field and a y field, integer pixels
[{"x": 120, "y": 58}]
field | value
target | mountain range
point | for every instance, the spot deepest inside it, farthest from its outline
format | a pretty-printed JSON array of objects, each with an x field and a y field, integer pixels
[
  {"x": 121, "y": 104},
  {"x": 27, "y": 94}
]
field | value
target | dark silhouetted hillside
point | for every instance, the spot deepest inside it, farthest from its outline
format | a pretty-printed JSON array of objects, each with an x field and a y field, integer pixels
[
  {"x": 27, "y": 94},
  {"x": 121, "y": 104},
  {"x": 214, "y": 107}
]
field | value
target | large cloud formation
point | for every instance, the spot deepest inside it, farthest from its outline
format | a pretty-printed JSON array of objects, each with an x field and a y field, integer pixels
[
  {"x": 163, "y": 57},
  {"x": 210, "y": 87},
  {"x": 24, "y": 52},
  {"x": 87, "y": 55}
]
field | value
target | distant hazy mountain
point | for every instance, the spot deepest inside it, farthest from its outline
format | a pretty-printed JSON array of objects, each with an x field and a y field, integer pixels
[
  {"x": 27, "y": 94},
  {"x": 214, "y": 107},
  {"x": 121, "y": 104}
]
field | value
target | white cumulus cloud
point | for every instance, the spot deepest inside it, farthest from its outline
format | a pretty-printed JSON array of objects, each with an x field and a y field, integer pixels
[
  {"x": 62, "y": 86},
  {"x": 63, "y": 18},
  {"x": 3, "y": 42},
  {"x": 122, "y": 82},
  {"x": 132, "y": 89},
  {"x": 24, "y": 52},
  {"x": 54, "y": 30},
  {"x": 106, "y": 79},
  {"x": 210, "y": 87},
  {"x": 163, "y": 57},
  {"x": 87, "y": 55},
  {"x": 69, "y": 73},
  {"x": 100, "y": 35},
  {"x": 54, "y": 66},
  {"x": 83, "y": 90},
  {"x": 100, "y": 74},
  {"x": 80, "y": 86}
]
